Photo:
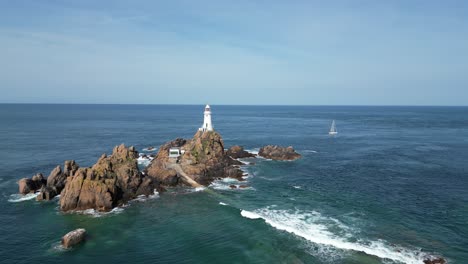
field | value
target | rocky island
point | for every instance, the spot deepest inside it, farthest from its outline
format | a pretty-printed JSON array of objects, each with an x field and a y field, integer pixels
[
  {"x": 278, "y": 153},
  {"x": 116, "y": 179}
]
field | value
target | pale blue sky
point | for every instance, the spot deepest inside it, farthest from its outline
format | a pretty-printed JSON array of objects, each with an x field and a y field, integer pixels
[{"x": 234, "y": 52}]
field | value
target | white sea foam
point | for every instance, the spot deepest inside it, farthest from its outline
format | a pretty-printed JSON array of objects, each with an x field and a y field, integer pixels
[
  {"x": 253, "y": 151},
  {"x": 16, "y": 198},
  {"x": 217, "y": 185},
  {"x": 229, "y": 180},
  {"x": 94, "y": 213},
  {"x": 313, "y": 227},
  {"x": 244, "y": 162},
  {"x": 142, "y": 198},
  {"x": 309, "y": 151},
  {"x": 144, "y": 161},
  {"x": 198, "y": 189},
  {"x": 297, "y": 187},
  {"x": 221, "y": 203},
  {"x": 250, "y": 215},
  {"x": 226, "y": 185},
  {"x": 57, "y": 247}
]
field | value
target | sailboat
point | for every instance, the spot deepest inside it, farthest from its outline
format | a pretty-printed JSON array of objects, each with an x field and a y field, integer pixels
[{"x": 333, "y": 130}]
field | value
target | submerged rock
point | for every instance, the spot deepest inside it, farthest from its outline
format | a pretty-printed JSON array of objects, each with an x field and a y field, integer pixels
[
  {"x": 27, "y": 185},
  {"x": 73, "y": 238},
  {"x": 279, "y": 153},
  {"x": 435, "y": 260},
  {"x": 110, "y": 182},
  {"x": 238, "y": 152}
]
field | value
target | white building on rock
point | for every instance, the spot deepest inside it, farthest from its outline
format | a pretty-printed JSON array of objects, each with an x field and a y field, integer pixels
[{"x": 207, "y": 126}]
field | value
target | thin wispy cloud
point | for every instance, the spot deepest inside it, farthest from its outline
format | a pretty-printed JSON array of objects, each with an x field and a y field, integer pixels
[{"x": 252, "y": 52}]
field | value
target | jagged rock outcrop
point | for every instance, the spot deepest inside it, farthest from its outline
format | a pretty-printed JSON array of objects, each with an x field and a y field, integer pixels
[
  {"x": 279, "y": 153},
  {"x": 203, "y": 159},
  {"x": 238, "y": 152},
  {"x": 112, "y": 181},
  {"x": 31, "y": 185},
  {"x": 73, "y": 238},
  {"x": 57, "y": 180}
]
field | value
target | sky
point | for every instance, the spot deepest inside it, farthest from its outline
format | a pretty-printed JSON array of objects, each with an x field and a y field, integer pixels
[{"x": 240, "y": 52}]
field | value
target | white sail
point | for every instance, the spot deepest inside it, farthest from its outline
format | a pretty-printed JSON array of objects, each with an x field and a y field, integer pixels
[{"x": 333, "y": 130}]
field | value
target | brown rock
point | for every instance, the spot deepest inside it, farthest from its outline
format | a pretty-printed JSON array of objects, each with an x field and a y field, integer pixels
[
  {"x": 46, "y": 194},
  {"x": 232, "y": 186},
  {"x": 238, "y": 152},
  {"x": 112, "y": 181},
  {"x": 203, "y": 160},
  {"x": 26, "y": 185},
  {"x": 243, "y": 186},
  {"x": 278, "y": 153},
  {"x": 73, "y": 238},
  {"x": 70, "y": 168},
  {"x": 57, "y": 180}
]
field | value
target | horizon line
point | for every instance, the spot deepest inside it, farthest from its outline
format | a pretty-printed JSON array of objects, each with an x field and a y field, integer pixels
[{"x": 194, "y": 104}]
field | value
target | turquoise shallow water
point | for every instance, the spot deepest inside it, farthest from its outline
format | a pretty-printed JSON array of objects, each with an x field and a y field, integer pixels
[{"x": 390, "y": 188}]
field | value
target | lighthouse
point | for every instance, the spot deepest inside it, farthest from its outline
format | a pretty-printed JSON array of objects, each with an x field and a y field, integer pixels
[{"x": 207, "y": 126}]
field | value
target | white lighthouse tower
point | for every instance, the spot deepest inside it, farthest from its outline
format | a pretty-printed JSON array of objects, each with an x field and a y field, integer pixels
[{"x": 207, "y": 126}]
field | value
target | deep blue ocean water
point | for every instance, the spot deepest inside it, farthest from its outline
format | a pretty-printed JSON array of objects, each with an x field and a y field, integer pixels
[{"x": 391, "y": 187}]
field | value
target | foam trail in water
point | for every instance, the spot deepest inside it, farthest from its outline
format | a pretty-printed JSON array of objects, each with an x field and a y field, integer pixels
[
  {"x": 226, "y": 183},
  {"x": 16, "y": 198},
  {"x": 253, "y": 151},
  {"x": 94, "y": 213},
  {"x": 199, "y": 189},
  {"x": 309, "y": 225}
]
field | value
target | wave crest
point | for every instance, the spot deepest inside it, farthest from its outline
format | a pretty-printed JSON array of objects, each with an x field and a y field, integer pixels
[
  {"x": 315, "y": 228},
  {"x": 16, "y": 198}
]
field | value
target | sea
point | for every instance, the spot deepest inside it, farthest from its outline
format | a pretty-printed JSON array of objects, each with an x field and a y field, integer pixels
[{"x": 390, "y": 187}]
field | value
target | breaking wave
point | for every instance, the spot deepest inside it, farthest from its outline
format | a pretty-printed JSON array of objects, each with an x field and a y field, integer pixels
[
  {"x": 315, "y": 228},
  {"x": 142, "y": 198},
  {"x": 144, "y": 161},
  {"x": 253, "y": 151},
  {"x": 94, "y": 213},
  {"x": 16, "y": 198},
  {"x": 229, "y": 184}
]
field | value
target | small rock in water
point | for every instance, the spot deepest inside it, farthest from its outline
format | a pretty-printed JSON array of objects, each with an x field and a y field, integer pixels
[
  {"x": 437, "y": 260},
  {"x": 232, "y": 186},
  {"x": 238, "y": 152},
  {"x": 73, "y": 238},
  {"x": 278, "y": 153},
  {"x": 243, "y": 186}
]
